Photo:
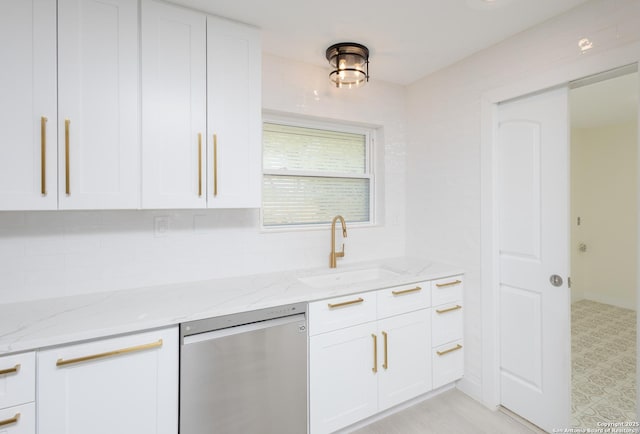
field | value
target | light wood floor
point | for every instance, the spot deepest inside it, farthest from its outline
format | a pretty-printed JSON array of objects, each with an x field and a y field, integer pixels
[{"x": 451, "y": 412}]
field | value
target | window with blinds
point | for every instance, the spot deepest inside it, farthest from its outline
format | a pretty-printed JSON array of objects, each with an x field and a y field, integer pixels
[{"x": 311, "y": 175}]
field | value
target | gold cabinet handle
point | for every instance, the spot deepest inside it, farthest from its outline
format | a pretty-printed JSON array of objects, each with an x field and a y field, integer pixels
[
  {"x": 455, "y": 282},
  {"x": 406, "y": 291},
  {"x": 43, "y": 155},
  {"x": 345, "y": 303},
  {"x": 385, "y": 365},
  {"x": 62, "y": 362},
  {"x": 13, "y": 370},
  {"x": 14, "y": 419},
  {"x": 449, "y": 309},
  {"x": 375, "y": 353},
  {"x": 450, "y": 350},
  {"x": 67, "y": 170},
  {"x": 215, "y": 165},
  {"x": 199, "y": 164}
]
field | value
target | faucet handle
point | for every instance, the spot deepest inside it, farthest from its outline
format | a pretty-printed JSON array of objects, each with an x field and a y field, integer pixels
[{"x": 341, "y": 253}]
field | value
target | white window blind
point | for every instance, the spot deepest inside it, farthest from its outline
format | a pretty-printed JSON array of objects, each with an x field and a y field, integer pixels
[{"x": 310, "y": 175}]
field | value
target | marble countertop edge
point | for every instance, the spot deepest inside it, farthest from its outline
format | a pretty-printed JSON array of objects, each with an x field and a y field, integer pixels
[{"x": 39, "y": 324}]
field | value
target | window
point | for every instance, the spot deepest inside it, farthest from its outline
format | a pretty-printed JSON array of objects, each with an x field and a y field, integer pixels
[{"x": 311, "y": 174}]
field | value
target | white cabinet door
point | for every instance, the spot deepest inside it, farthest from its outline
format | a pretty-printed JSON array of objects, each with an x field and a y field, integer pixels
[
  {"x": 27, "y": 96},
  {"x": 98, "y": 132},
  {"x": 404, "y": 354},
  {"x": 342, "y": 383},
  {"x": 174, "y": 108},
  {"x": 134, "y": 391},
  {"x": 234, "y": 114}
]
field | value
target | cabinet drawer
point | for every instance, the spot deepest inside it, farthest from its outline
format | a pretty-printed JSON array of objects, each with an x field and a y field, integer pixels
[
  {"x": 446, "y": 323},
  {"x": 340, "y": 312},
  {"x": 402, "y": 299},
  {"x": 446, "y": 290},
  {"x": 18, "y": 420},
  {"x": 17, "y": 379},
  {"x": 448, "y": 363}
]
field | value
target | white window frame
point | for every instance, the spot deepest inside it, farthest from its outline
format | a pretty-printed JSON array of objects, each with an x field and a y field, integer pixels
[{"x": 337, "y": 126}]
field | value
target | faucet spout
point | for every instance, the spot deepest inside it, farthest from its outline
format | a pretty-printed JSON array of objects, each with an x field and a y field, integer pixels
[{"x": 333, "y": 255}]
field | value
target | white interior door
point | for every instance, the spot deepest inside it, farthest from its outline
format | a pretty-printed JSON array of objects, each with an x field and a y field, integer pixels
[{"x": 533, "y": 191}]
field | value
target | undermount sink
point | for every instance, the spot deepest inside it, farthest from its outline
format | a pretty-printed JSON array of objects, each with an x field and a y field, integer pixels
[{"x": 347, "y": 277}]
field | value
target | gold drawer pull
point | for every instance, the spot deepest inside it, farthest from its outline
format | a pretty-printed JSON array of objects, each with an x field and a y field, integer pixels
[
  {"x": 199, "y": 164},
  {"x": 67, "y": 151},
  {"x": 13, "y": 370},
  {"x": 345, "y": 303},
  {"x": 14, "y": 419},
  {"x": 385, "y": 365},
  {"x": 450, "y": 350},
  {"x": 43, "y": 155},
  {"x": 406, "y": 291},
  {"x": 455, "y": 282},
  {"x": 450, "y": 309},
  {"x": 375, "y": 353},
  {"x": 215, "y": 165},
  {"x": 62, "y": 362}
]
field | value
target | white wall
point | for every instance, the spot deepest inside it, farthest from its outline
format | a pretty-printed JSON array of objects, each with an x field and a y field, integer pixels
[
  {"x": 444, "y": 177},
  {"x": 51, "y": 254},
  {"x": 604, "y": 195}
]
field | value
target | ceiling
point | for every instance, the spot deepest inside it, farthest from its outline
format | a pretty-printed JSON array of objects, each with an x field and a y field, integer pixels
[
  {"x": 408, "y": 39},
  {"x": 607, "y": 102}
]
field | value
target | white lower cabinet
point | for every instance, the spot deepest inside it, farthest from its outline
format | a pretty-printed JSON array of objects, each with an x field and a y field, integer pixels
[
  {"x": 371, "y": 351},
  {"x": 358, "y": 370},
  {"x": 343, "y": 387},
  {"x": 20, "y": 419},
  {"x": 17, "y": 393},
  {"x": 405, "y": 367},
  {"x": 125, "y": 385},
  {"x": 448, "y": 363},
  {"x": 447, "y": 324}
]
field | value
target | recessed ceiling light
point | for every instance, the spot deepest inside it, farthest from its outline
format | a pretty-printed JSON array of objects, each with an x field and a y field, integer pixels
[{"x": 585, "y": 44}]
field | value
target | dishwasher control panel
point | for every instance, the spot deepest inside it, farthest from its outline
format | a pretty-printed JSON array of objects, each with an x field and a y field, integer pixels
[{"x": 241, "y": 318}]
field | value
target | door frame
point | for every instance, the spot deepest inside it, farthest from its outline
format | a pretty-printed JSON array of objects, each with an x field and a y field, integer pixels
[{"x": 557, "y": 75}]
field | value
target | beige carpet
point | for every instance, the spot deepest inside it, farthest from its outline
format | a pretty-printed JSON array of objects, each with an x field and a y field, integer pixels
[{"x": 603, "y": 353}]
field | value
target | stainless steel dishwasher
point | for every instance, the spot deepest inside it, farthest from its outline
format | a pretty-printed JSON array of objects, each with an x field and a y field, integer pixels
[{"x": 245, "y": 373}]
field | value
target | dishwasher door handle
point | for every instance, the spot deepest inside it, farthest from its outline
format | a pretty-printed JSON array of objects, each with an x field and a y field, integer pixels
[{"x": 246, "y": 328}]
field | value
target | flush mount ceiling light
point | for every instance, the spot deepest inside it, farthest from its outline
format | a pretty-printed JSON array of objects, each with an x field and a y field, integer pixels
[{"x": 350, "y": 63}]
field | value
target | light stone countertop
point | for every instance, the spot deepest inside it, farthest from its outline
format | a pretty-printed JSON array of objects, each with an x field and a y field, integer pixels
[{"x": 45, "y": 323}]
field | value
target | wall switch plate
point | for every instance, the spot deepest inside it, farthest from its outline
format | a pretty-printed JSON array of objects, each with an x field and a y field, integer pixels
[{"x": 160, "y": 225}]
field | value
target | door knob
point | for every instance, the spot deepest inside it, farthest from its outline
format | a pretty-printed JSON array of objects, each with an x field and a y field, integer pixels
[{"x": 555, "y": 280}]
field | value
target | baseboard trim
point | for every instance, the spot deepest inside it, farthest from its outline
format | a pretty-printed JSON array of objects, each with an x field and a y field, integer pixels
[
  {"x": 521, "y": 420},
  {"x": 472, "y": 389},
  {"x": 388, "y": 412}
]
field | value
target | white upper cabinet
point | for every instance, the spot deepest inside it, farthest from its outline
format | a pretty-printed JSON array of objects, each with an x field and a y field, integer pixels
[
  {"x": 234, "y": 114},
  {"x": 70, "y": 136},
  {"x": 98, "y": 136},
  {"x": 174, "y": 89},
  {"x": 77, "y": 134},
  {"x": 201, "y": 110},
  {"x": 28, "y": 105}
]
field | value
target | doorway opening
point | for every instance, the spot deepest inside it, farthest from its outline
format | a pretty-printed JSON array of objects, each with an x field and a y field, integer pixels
[{"x": 604, "y": 247}]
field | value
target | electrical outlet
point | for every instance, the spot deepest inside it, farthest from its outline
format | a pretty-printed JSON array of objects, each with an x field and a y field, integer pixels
[{"x": 160, "y": 225}]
